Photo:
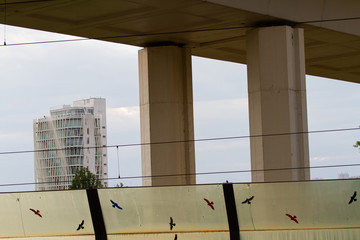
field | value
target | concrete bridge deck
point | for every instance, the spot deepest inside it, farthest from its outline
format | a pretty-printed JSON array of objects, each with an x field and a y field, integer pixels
[{"x": 212, "y": 28}]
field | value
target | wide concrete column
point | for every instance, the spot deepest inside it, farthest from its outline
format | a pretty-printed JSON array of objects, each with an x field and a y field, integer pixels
[
  {"x": 166, "y": 115},
  {"x": 277, "y": 103}
]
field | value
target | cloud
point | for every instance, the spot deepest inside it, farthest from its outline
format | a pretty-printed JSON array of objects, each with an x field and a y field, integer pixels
[
  {"x": 221, "y": 118},
  {"x": 216, "y": 80},
  {"x": 320, "y": 159},
  {"x": 332, "y": 104},
  {"x": 16, "y": 141},
  {"x": 12, "y": 136},
  {"x": 123, "y": 118},
  {"x": 124, "y": 112},
  {"x": 222, "y": 145},
  {"x": 123, "y": 124}
]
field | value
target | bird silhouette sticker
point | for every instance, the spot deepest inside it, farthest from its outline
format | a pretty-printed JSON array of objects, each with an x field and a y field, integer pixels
[
  {"x": 293, "y": 218},
  {"x": 115, "y": 205},
  {"x": 172, "y": 224},
  {"x": 211, "y": 204},
  {"x": 37, "y": 212},
  {"x": 81, "y": 226},
  {"x": 175, "y": 237},
  {"x": 248, "y": 200},
  {"x": 353, "y": 198}
]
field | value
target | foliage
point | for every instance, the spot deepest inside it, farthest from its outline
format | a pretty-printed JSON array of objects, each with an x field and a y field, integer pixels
[
  {"x": 357, "y": 144},
  {"x": 84, "y": 179},
  {"x": 119, "y": 185}
]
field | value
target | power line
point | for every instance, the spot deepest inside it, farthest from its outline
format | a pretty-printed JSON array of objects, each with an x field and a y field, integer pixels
[
  {"x": 197, "y": 140},
  {"x": 240, "y": 171},
  {"x": 46, "y": 42},
  {"x": 330, "y": 20},
  {"x": 184, "y": 141},
  {"x": 191, "y": 174},
  {"x": 104, "y": 38}
]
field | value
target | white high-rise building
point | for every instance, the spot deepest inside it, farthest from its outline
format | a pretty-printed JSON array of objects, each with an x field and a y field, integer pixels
[{"x": 70, "y": 138}]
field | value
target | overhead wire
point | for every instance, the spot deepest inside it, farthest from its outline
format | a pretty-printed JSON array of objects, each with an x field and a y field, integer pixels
[
  {"x": 198, "y": 173},
  {"x": 330, "y": 20},
  {"x": 190, "y": 174},
  {"x": 184, "y": 141}
]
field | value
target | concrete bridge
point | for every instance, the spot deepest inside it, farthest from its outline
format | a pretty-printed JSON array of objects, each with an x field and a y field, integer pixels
[{"x": 279, "y": 40}]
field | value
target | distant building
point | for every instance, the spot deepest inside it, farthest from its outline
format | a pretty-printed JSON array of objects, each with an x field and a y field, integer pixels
[
  {"x": 70, "y": 138},
  {"x": 343, "y": 176},
  {"x": 346, "y": 176}
]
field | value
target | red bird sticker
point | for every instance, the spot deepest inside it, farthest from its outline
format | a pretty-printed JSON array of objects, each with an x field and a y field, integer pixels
[
  {"x": 37, "y": 212},
  {"x": 211, "y": 204},
  {"x": 293, "y": 218}
]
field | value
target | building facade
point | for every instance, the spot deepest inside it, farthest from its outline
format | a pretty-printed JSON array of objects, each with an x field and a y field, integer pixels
[{"x": 70, "y": 138}]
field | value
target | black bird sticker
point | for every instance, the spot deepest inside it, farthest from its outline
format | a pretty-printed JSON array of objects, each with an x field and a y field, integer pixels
[
  {"x": 81, "y": 226},
  {"x": 248, "y": 200},
  {"x": 172, "y": 224},
  {"x": 353, "y": 198},
  {"x": 175, "y": 237},
  {"x": 115, "y": 205}
]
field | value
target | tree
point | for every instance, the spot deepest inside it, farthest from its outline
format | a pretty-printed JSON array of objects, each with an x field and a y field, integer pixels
[
  {"x": 84, "y": 179},
  {"x": 357, "y": 144}
]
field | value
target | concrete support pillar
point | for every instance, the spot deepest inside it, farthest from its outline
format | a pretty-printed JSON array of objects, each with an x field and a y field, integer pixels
[
  {"x": 166, "y": 115},
  {"x": 277, "y": 103}
]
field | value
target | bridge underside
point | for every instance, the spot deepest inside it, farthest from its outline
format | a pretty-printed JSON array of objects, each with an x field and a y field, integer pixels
[{"x": 214, "y": 29}]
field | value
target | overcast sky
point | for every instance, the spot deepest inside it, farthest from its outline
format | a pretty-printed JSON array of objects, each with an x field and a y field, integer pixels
[{"x": 37, "y": 77}]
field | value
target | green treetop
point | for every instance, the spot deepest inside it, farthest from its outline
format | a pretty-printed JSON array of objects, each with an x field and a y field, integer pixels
[{"x": 84, "y": 179}]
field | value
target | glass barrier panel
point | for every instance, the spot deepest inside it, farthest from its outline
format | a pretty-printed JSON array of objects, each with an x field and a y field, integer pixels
[
  {"x": 164, "y": 209},
  {"x": 173, "y": 236},
  {"x": 62, "y": 213},
  {"x": 320, "y": 234},
  {"x": 298, "y": 205}
]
